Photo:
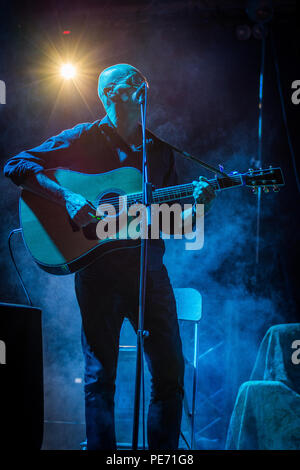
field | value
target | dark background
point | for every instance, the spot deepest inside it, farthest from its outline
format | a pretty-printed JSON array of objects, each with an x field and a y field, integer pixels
[{"x": 203, "y": 98}]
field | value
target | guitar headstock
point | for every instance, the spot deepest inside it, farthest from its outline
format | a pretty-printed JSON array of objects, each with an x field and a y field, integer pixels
[{"x": 266, "y": 179}]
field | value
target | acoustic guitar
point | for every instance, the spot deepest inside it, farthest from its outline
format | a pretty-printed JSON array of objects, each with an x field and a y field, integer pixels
[{"x": 59, "y": 247}]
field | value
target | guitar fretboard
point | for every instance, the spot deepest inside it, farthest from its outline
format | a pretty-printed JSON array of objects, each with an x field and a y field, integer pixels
[{"x": 179, "y": 192}]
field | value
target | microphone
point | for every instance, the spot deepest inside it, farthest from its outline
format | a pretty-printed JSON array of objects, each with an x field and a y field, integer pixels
[{"x": 139, "y": 95}]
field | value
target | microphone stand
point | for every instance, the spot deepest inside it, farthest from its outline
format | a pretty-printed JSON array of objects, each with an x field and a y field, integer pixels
[
  {"x": 141, "y": 333},
  {"x": 147, "y": 200}
]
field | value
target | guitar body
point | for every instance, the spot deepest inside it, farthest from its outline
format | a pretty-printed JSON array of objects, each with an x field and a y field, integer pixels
[{"x": 48, "y": 233}]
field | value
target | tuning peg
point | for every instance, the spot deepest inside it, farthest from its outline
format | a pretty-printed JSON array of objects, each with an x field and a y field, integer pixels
[
  {"x": 275, "y": 188},
  {"x": 266, "y": 189},
  {"x": 254, "y": 190}
]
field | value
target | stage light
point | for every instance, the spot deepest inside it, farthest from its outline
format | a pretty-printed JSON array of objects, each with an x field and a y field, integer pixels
[
  {"x": 260, "y": 11},
  {"x": 259, "y": 31},
  {"x": 243, "y": 32},
  {"x": 66, "y": 67},
  {"x": 68, "y": 71}
]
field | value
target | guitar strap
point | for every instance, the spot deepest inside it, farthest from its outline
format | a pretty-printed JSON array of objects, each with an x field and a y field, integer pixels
[
  {"x": 194, "y": 159},
  {"x": 179, "y": 151}
]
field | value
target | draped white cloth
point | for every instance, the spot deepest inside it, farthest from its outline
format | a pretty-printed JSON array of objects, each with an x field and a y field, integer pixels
[{"x": 266, "y": 414}]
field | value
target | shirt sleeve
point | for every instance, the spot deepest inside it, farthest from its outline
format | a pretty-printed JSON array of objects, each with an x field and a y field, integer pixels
[{"x": 53, "y": 153}]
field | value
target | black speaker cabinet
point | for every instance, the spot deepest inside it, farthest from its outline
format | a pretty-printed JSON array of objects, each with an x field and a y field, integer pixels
[{"x": 21, "y": 378}]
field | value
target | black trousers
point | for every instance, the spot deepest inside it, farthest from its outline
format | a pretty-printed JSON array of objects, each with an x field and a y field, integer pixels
[{"x": 105, "y": 298}]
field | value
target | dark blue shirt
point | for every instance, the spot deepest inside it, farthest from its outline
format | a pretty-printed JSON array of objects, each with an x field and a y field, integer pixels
[{"x": 96, "y": 148}]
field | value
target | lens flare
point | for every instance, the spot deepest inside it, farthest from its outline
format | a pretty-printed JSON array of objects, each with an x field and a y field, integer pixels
[{"x": 68, "y": 71}]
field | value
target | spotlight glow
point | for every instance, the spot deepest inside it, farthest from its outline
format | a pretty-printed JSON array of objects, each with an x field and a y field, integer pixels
[
  {"x": 66, "y": 68},
  {"x": 68, "y": 71}
]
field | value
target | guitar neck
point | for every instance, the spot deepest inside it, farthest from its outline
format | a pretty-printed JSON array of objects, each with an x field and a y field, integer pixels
[
  {"x": 184, "y": 191},
  {"x": 259, "y": 178}
]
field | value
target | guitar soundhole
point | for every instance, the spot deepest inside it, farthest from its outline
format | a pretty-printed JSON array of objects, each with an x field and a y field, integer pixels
[{"x": 89, "y": 231}]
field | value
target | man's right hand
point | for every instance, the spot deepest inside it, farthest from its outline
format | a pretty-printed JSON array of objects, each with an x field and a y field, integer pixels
[
  {"x": 81, "y": 212},
  {"x": 79, "y": 209}
]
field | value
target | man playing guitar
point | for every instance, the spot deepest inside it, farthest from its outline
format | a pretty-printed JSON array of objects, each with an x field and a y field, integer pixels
[{"x": 107, "y": 290}]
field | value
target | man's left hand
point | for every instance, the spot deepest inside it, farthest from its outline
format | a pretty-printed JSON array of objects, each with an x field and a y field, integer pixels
[{"x": 203, "y": 193}]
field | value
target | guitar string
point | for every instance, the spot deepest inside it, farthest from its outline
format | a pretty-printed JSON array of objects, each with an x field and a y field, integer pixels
[
  {"x": 171, "y": 192},
  {"x": 137, "y": 198},
  {"x": 176, "y": 191}
]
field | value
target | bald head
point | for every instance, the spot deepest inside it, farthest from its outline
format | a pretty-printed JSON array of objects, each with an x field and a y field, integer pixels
[
  {"x": 116, "y": 76},
  {"x": 117, "y": 88}
]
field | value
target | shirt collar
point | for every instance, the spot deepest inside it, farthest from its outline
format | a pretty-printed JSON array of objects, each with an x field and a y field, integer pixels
[{"x": 107, "y": 122}]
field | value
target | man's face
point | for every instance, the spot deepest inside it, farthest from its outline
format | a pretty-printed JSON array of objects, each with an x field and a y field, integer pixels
[{"x": 119, "y": 84}]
